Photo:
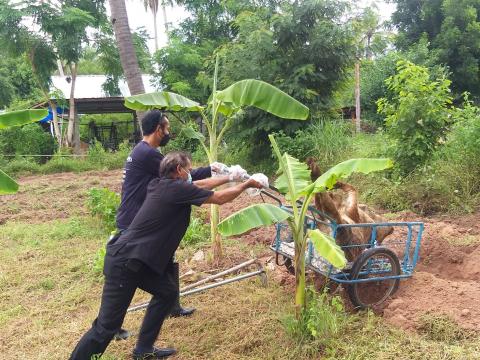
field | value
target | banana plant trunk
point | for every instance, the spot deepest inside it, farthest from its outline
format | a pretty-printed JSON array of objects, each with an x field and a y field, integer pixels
[
  {"x": 216, "y": 239},
  {"x": 299, "y": 260}
]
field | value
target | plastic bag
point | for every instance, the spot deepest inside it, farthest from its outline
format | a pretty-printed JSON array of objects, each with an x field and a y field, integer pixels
[{"x": 262, "y": 179}]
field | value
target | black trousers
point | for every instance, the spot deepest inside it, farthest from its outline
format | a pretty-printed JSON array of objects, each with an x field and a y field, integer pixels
[{"x": 122, "y": 278}]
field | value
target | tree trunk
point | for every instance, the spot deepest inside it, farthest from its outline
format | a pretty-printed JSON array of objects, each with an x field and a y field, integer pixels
[
  {"x": 128, "y": 57},
  {"x": 155, "y": 29},
  {"x": 357, "y": 96},
  {"x": 56, "y": 128},
  {"x": 71, "y": 108},
  {"x": 165, "y": 22}
]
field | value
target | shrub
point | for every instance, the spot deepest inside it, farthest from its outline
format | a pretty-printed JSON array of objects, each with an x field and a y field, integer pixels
[
  {"x": 104, "y": 203},
  {"x": 417, "y": 116},
  {"x": 323, "y": 318},
  {"x": 198, "y": 232},
  {"x": 30, "y": 139}
]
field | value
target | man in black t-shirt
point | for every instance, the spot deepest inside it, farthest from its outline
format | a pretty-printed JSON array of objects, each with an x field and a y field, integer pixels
[
  {"x": 142, "y": 256},
  {"x": 141, "y": 167}
]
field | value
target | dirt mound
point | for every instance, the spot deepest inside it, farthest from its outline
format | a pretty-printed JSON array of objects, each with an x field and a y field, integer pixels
[
  {"x": 446, "y": 280},
  {"x": 427, "y": 293}
]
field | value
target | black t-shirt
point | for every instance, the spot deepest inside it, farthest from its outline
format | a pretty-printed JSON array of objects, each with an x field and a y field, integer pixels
[
  {"x": 141, "y": 167},
  {"x": 156, "y": 231}
]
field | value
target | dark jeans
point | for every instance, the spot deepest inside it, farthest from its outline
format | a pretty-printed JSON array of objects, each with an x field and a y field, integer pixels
[{"x": 122, "y": 278}]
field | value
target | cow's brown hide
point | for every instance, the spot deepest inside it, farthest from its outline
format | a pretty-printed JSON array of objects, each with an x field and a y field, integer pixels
[{"x": 343, "y": 207}]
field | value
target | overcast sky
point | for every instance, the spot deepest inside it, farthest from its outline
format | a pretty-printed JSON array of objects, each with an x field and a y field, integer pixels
[{"x": 138, "y": 17}]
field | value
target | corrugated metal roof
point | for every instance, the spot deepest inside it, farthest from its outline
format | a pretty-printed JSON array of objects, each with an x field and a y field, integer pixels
[{"x": 90, "y": 86}]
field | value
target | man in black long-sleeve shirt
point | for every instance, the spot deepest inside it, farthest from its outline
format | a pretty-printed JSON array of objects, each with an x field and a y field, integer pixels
[
  {"x": 142, "y": 256},
  {"x": 141, "y": 167}
]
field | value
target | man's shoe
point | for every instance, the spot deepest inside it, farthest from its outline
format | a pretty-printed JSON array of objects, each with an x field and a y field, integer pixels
[
  {"x": 122, "y": 334},
  {"x": 181, "y": 311},
  {"x": 157, "y": 353}
]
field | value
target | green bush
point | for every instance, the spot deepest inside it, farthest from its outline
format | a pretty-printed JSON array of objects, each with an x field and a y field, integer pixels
[
  {"x": 198, "y": 232},
  {"x": 104, "y": 203},
  {"x": 321, "y": 321},
  {"x": 21, "y": 166},
  {"x": 30, "y": 139},
  {"x": 180, "y": 141},
  {"x": 417, "y": 116}
]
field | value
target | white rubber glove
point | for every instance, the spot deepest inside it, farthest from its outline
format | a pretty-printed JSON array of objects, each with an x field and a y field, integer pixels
[
  {"x": 219, "y": 168},
  {"x": 262, "y": 179},
  {"x": 237, "y": 173}
]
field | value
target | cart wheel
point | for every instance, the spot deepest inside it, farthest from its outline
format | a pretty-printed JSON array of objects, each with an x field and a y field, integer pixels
[
  {"x": 374, "y": 262},
  {"x": 288, "y": 263}
]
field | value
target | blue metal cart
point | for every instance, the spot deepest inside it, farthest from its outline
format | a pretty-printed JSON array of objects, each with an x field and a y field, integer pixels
[{"x": 375, "y": 274}]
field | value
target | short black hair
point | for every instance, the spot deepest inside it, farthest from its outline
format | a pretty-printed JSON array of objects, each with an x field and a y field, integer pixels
[
  {"x": 172, "y": 160},
  {"x": 151, "y": 120}
]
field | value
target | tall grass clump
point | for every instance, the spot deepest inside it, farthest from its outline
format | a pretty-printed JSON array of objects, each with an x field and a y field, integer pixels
[
  {"x": 321, "y": 321},
  {"x": 327, "y": 140}
]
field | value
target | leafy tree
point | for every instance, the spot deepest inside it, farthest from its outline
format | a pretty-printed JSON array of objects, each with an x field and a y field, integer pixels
[
  {"x": 370, "y": 39},
  {"x": 223, "y": 109},
  {"x": 66, "y": 24},
  {"x": 304, "y": 48},
  {"x": 417, "y": 116},
  {"x": 18, "y": 40},
  {"x": 181, "y": 67},
  {"x": 453, "y": 30}
]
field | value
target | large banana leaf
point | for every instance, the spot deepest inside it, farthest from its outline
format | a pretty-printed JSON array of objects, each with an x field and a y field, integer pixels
[
  {"x": 192, "y": 134},
  {"x": 327, "y": 248},
  {"x": 21, "y": 117},
  {"x": 264, "y": 96},
  {"x": 294, "y": 172},
  {"x": 252, "y": 217},
  {"x": 163, "y": 100},
  {"x": 293, "y": 175},
  {"x": 7, "y": 184},
  {"x": 343, "y": 170}
]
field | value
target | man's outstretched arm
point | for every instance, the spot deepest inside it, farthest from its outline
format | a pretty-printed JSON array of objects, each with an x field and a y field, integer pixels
[{"x": 223, "y": 196}]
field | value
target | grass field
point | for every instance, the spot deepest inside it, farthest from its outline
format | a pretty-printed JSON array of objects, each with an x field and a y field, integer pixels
[{"x": 50, "y": 291}]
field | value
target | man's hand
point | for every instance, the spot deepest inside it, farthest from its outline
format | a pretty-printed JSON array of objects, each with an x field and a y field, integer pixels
[{"x": 251, "y": 183}]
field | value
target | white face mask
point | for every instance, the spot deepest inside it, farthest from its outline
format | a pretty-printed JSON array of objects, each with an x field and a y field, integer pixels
[{"x": 189, "y": 180}]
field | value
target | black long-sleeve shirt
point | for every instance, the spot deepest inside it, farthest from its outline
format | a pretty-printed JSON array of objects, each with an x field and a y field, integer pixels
[{"x": 141, "y": 167}]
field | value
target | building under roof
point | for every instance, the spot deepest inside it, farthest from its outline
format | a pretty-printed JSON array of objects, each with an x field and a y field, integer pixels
[{"x": 90, "y": 97}]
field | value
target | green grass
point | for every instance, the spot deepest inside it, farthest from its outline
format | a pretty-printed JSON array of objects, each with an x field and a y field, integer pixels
[{"x": 49, "y": 295}]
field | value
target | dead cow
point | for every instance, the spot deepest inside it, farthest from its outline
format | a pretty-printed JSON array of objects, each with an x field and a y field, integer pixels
[{"x": 343, "y": 207}]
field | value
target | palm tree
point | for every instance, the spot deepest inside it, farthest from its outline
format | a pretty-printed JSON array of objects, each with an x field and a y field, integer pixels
[
  {"x": 153, "y": 5},
  {"x": 128, "y": 58}
]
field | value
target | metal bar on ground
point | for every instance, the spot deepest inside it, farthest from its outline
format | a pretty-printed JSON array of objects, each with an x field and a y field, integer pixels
[
  {"x": 187, "y": 289},
  {"x": 220, "y": 274}
]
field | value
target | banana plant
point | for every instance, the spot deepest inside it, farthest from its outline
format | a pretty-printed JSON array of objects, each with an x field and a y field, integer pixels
[
  {"x": 218, "y": 116},
  {"x": 295, "y": 183},
  {"x": 10, "y": 119}
]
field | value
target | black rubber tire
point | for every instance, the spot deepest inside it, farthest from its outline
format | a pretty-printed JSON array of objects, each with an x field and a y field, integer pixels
[
  {"x": 288, "y": 263},
  {"x": 389, "y": 286}
]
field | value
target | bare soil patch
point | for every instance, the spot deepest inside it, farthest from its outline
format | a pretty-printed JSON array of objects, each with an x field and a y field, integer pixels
[{"x": 55, "y": 196}]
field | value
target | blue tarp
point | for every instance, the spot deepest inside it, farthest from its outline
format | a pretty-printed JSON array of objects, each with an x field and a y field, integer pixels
[{"x": 49, "y": 117}]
